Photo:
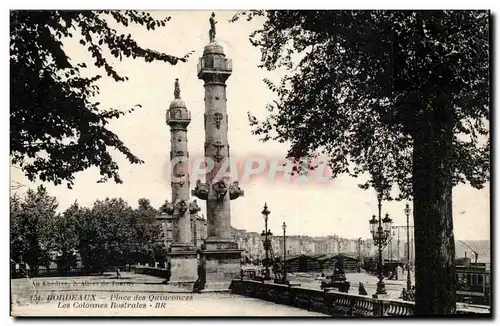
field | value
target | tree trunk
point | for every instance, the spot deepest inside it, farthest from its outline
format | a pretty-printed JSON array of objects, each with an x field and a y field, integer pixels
[{"x": 432, "y": 189}]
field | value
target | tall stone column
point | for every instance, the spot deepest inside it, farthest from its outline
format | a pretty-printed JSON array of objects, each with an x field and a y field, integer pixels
[
  {"x": 221, "y": 253},
  {"x": 183, "y": 256},
  {"x": 217, "y": 149}
]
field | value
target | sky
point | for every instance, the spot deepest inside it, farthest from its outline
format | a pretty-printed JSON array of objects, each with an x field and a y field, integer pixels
[{"x": 316, "y": 210}]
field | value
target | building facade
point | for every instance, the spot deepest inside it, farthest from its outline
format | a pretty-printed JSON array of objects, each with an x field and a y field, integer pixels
[
  {"x": 198, "y": 225},
  {"x": 252, "y": 246}
]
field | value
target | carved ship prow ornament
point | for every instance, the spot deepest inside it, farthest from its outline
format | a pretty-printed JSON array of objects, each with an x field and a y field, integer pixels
[
  {"x": 193, "y": 207},
  {"x": 235, "y": 191},
  {"x": 201, "y": 190},
  {"x": 220, "y": 189},
  {"x": 181, "y": 207}
]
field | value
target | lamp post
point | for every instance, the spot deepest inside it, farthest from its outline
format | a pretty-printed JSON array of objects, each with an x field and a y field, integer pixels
[
  {"x": 390, "y": 247},
  {"x": 380, "y": 230},
  {"x": 265, "y": 235},
  {"x": 399, "y": 256},
  {"x": 407, "y": 211},
  {"x": 284, "y": 251},
  {"x": 359, "y": 255},
  {"x": 266, "y": 240}
]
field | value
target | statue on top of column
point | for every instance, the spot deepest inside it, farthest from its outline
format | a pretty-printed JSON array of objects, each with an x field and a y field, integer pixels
[
  {"x": 177, "y": 89},
  {"x": 211, "y": 32}
]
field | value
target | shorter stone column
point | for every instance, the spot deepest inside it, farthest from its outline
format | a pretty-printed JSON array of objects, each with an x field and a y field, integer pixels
[{"x": 182, "y": 253}]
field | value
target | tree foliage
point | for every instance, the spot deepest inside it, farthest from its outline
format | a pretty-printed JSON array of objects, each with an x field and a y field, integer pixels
[
  {"x": 111, "y": 233},
  {"x": 147, "y": 232},
  {"x": 357, "y": 82},
  {"x": 32, "y": 219},
  {"x": 402, "y": 96},
  {"x": 65, "y": 239},
  {"x": 114, "y": 234},
  {"x": 17, "y": 248},
  {"x": 56, "y": 126}
]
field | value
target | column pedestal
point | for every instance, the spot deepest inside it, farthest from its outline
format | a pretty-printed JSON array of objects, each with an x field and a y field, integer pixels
[
  {"x": 183, "y": 266},
  {"x": 222, "y": 261}
]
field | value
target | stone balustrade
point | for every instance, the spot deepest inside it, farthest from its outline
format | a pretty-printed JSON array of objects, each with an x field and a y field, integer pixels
[
  {"x": 329, "y": 302},
  {"x": 218, "y": 63}
]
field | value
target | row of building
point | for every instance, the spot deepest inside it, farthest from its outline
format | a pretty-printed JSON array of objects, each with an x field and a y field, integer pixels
[{"x": 252, "y": 243}]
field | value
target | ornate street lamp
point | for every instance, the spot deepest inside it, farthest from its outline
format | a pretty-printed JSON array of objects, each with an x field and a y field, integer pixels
[
  {"x": 407, "y": 211},
  {"x": 266, "y": 241},
  {"x": 284, "y": 251},
  {"x": 373, "y": 224},
  {"x": 380, "y": 230}
]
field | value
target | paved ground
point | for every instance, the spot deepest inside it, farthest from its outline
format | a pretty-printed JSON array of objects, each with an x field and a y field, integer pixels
[{"x": 133, "y": 295}]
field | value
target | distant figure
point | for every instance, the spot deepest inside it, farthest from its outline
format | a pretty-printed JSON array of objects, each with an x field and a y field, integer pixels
[
  {"x": 118, "y": 274},
  {"x": 411, "y": 294},
  {"x": 168, "y": 273},
  {"x": 361, "y": 289},
  {"x": 322, "y": 274},
  {"x": 198, "y": 284},
  {"x": 201, "y": 280}
]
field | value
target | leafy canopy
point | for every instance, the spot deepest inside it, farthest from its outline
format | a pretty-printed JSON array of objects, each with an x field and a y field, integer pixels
[
  {"x": 358, "y": 83},
  {"x": 111, "y": 233},
  {"x": 56, "y": 127},
  {"x": 31, "y": 232}
]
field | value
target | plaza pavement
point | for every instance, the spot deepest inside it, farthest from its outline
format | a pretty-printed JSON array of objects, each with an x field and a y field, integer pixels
[{"x": 157, "y": 299}]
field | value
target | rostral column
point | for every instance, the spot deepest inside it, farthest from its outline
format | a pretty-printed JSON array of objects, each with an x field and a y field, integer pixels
[
  {"x": 220, "y": 254},
  {"x": 182, "y": 252}
]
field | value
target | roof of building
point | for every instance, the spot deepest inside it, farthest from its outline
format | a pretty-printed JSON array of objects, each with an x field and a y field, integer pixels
[
  {"x": 325, "y": 257},
  {"x": 293, "y": 257},
  {"x": 336, "y": 256},
  {"x": 308, "y": 257}
]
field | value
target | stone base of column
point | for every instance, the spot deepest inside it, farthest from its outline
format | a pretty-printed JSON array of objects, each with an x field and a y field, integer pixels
[
  {"x": 222, "y": 260},
  {"x": 183, "y": 266}
]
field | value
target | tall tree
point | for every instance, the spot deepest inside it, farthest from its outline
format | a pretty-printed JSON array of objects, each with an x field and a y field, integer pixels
[
  {"x": 147, "y": 231},
  {"x": 65, "y": 238},
  {"x": 57, "y": 128},
  {"x": 105, "y": 234},
  {"x": 89, "y": 230},
  {"x": 17, "y": 243},
  {"x": 400, "y": 95},
  {"x": 118, "y": 236},
  {"x": 32, "y": 219}
]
